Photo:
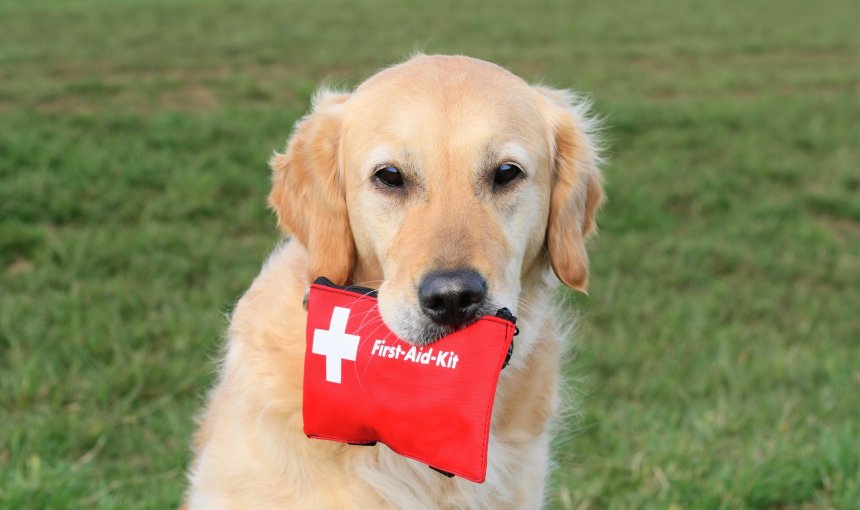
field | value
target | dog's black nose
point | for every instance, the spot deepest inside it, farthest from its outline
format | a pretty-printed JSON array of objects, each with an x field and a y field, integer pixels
[{"x": 452, "y": 298}]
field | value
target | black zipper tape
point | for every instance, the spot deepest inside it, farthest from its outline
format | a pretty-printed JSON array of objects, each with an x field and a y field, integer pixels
[
  {"x": 506, "y": 314},
  {"x": 322, "y": 280},
  {"x": 449, "y": 475}
]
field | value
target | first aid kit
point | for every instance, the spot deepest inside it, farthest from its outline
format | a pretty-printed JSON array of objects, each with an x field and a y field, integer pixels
[{"x": 432, "y": 403}]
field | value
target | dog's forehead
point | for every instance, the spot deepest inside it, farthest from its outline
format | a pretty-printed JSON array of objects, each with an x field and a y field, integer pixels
[{"x": 457, "y": 98}]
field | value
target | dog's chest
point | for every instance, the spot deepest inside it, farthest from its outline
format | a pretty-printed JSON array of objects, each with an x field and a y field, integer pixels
[{"x": 404, "y": 483}]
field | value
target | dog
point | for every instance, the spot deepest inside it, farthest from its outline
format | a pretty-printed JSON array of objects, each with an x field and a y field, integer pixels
[{"x": 454, "y": 188}]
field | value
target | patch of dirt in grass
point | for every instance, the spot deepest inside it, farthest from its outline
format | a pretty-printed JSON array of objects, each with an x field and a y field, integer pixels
[
  {"x": 843, "y": 228},
  {"x": 192, "y": 97},
  {"x": 19, "y": 266}
]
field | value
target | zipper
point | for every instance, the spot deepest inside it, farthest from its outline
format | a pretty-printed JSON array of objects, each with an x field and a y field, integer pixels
[{"x": 325, "y": 282}]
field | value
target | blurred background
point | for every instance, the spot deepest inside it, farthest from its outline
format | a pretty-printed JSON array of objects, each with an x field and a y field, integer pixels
[{"x": 719, "y": 352}]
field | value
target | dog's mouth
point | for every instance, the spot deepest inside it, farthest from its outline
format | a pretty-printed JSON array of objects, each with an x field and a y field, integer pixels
[
  {"x": 416, "y": 328},
  {"x": 447, "y": 300},
  {"x": 442, "y": 303}
]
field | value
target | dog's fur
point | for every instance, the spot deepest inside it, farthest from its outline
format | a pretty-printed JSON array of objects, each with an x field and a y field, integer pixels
[{"x": 447, "y": 123}]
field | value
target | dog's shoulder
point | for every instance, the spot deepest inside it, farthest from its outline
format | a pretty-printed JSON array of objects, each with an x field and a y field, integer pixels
[{"x": 273, "y": 302}]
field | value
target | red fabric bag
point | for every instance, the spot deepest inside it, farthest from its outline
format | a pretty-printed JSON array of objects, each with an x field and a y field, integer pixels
[{"x": 432, "y": 403}]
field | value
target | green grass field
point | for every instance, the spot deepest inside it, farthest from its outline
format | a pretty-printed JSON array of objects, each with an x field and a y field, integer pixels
[{"x": 719, "y": 361}]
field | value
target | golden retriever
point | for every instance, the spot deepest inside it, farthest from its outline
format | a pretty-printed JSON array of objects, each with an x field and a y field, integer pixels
[{"x": 455, "y": 188}]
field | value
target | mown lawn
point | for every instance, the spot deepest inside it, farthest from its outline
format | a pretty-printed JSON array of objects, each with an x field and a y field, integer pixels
[{"x": 719, "y": 361}]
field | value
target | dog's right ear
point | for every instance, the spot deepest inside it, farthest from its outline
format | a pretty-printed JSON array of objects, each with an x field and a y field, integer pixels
[{"x": 308, "y": 193}]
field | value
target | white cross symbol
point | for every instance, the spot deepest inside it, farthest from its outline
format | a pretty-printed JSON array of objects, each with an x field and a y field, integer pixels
[{"x": 335, "y": 344}]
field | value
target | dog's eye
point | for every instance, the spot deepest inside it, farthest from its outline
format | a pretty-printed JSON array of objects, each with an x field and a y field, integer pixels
[
  {"x": 390, "y": 176},
  {"x": 506, "y": 173}
]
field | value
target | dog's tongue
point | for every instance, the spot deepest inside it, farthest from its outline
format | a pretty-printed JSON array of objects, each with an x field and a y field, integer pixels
[{"x": 432, "y": 403}]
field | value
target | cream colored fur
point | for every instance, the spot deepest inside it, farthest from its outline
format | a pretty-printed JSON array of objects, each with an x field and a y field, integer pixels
[{"x": 444, "y": 118}]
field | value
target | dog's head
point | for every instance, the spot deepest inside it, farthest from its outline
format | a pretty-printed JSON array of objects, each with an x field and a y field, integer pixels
[{"x": 447, "y": 182}]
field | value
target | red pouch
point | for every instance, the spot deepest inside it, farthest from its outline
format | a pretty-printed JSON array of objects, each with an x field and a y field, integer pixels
[{"x": 433, "y": 404}]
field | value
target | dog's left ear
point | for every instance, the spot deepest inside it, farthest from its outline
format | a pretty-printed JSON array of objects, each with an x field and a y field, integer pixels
[
  {"x": 577, "y": 190},
  {"x": 307, "y": 190}
]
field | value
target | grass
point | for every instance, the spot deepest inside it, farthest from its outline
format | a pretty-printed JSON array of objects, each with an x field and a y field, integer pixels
[{"x": 719, "y": 360}]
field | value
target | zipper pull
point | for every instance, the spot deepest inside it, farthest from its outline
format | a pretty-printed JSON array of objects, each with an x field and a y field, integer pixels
[{"x": 504, "y": 313}]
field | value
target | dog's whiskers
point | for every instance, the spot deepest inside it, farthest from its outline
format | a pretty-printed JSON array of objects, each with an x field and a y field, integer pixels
[{"x": 366, "y": 283}]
